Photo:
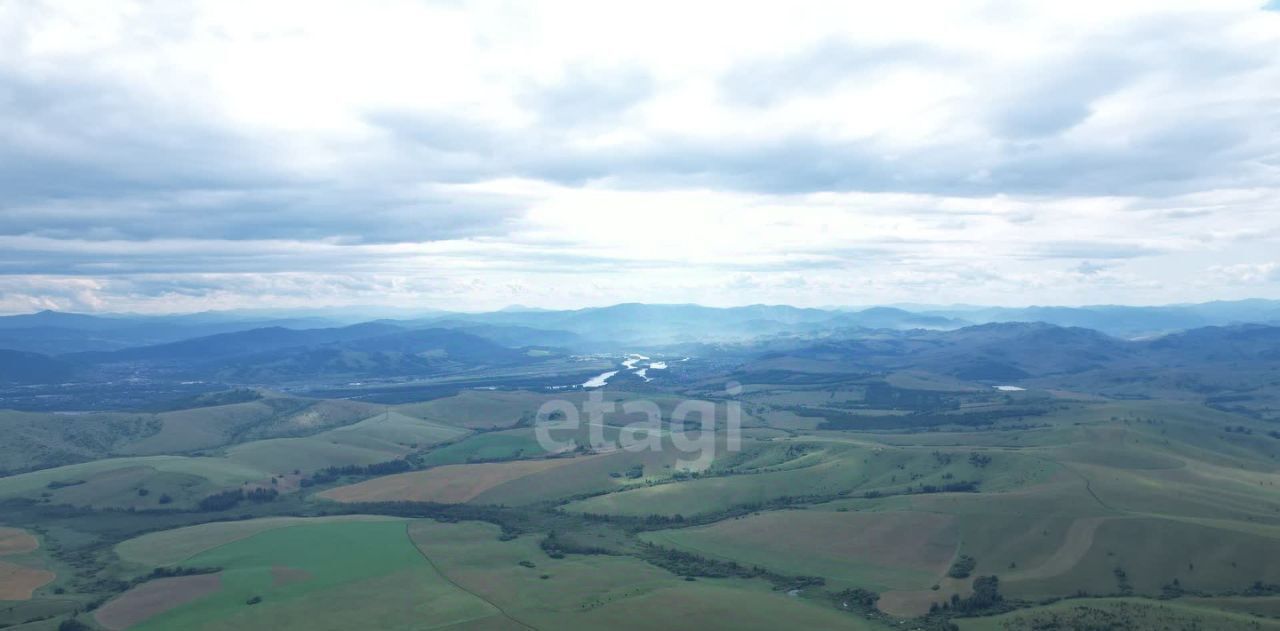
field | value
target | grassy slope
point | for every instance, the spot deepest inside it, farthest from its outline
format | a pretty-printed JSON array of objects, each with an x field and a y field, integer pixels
[
  {"x": 361, "y": 575},
  {"x": 114, "y": 481},
  {"x": 367, "y": 575},
  {"x": 875, "y": 550},
  {"x": 376, "y": 439},
  {"x": 171, "y": 547},
  {"x": 595, "y": 592},
  {"x": 478, "y": 409},
  {"x": 39, "y": 440},
  {"x": 1128, "y": 614},
  {"x": 839, "y": 468},
  {"x": 34, "y": 440},
  {"x": 270, "y": 417},
  {"x": 490, "y": 446},
  {"x": 1104, "y": 486},
  {"x": 1155, "y": 488}
]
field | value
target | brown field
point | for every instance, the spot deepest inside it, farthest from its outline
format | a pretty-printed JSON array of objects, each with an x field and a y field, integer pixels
[
  {"x": 910, "y": 603},
  {"x": 16, "y": 541},
  {"x": 281, "y": 575},
  {"x": 155, "y": 597},
  {"x": 449, "y": 484},
  {"x": 924, "y": 541},
  {"x": 919, "y": 541},
  {"x": 17, "y": 582},
  {"x": 1078, "y": 541}
]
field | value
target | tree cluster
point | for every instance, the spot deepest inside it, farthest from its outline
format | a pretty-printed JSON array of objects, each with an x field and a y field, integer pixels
[
  {"x": 328, "y": 475},
  {"x": 227, "y": 500}
]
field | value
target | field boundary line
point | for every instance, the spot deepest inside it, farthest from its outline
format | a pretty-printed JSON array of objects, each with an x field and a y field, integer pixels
[
  {"x": 439, "y": 571},
  {"x": 1088, "y": 484}
]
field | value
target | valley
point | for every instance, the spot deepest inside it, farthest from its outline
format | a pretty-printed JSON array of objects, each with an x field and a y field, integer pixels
[{"x": 999, "y": 476}]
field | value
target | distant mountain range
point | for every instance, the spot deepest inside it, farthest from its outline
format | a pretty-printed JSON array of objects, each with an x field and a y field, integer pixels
[
  {"x": 964, "y": 342},
  {"x": 1124, "y": 321},
  {"x": 1227, "y": 364},
  {"x": 275, "y": 354},
  {"x": 255, "y": 340},
  {"x": 645, "y": 324},
  {"x": 51, "y": 332}
]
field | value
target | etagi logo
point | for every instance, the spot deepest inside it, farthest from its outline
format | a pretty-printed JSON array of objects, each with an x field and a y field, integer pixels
[{"x": 558, "y": 427}]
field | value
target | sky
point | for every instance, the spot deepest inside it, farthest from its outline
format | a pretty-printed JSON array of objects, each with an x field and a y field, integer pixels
[{"x": 180, "y": 156}]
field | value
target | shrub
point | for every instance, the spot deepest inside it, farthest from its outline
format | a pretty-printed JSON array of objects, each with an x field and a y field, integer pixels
[{"x": 962, "y": 567}]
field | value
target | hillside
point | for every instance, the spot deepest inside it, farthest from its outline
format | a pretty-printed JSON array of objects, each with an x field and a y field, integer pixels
[
  {"x": 19, "y": 367},
  {"x": 406, "y": 353}
]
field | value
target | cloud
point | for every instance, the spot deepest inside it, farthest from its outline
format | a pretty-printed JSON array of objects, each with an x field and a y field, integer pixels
[
  {"x": 1247, "y": 273},
  {"x": 587, "y": 96},
  {"x": 1089, "y": 268},
  {"x": 821, "y": 69},
  {"x": 1056, "y": 97},
  {"x": 478, "y": 151}
]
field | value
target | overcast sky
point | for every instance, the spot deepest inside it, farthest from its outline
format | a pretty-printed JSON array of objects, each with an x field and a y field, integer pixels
[{"x": 184, "y": 156}]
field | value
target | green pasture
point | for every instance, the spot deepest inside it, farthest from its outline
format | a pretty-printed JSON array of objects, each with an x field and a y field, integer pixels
[{"x": 358, "y": 575}]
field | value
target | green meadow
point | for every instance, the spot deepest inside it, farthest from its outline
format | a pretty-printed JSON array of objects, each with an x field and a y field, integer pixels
[
  {"x": 1141, "y": 513},
  {"x": 347, "y": 575}
]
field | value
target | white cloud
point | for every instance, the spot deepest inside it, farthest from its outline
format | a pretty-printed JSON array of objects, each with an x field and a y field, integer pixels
[
  {"x": 469, "y": 154},
  {"x": 1247, "y": 273}
]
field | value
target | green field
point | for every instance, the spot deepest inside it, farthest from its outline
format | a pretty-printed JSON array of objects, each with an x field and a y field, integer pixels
[
  {"x": 383, "y": 437},
  {"x": 876, "y": 550},
  {"x": 115, "y": 482},
  {"x": 269, "y": 417},
  {"x": 828, "y": 468},
  {"x": 592, "y": 592},
  {"x": 351, "y": 575},
  {"x": 487, "y": 447},
  {"x": 362, "y": 574},
  {"x": 1123, "y": 502},
  {"x": 478, "y": 409},
  {"x": 172, "y": 547}
]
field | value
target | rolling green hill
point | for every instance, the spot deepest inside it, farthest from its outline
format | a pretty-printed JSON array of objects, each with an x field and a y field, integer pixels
[{"x": 882, "y": 480}]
